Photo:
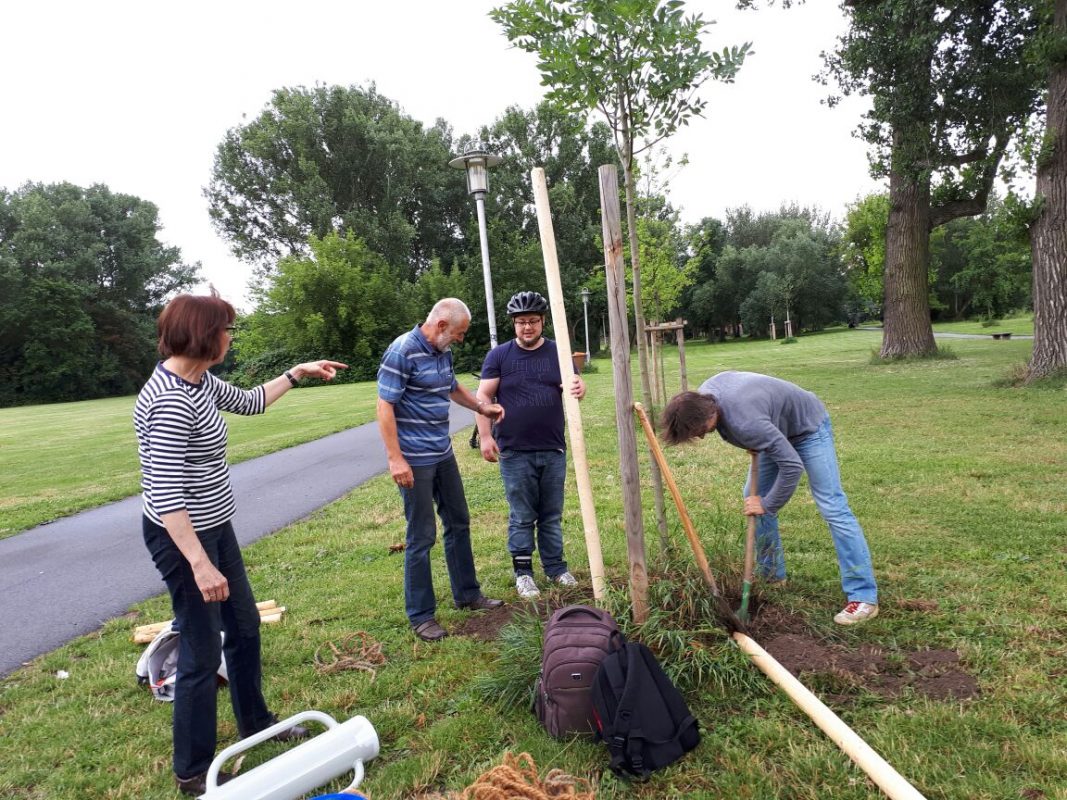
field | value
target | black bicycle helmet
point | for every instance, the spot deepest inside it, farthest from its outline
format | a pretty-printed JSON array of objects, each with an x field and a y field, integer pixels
[{"x": 527, "y": 303}]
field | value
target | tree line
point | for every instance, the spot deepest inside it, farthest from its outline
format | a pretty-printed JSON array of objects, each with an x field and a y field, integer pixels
[{"x": 354, "y": 223}]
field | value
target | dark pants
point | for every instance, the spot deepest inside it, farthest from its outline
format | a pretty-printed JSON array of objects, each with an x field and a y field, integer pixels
[
  {"x": 438, "y": 484},
  {"x": 201, "y": 648}
]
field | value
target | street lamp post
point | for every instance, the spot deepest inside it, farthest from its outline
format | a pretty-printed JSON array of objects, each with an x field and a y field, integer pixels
[
  {"x": 477, "y": 163},
  {"x": 585, "y": 309}
]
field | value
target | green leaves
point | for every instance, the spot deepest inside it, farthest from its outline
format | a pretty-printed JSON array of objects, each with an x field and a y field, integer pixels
[
  {"x": 639, "y": 62},
  {"x": 82, "y": 276}
]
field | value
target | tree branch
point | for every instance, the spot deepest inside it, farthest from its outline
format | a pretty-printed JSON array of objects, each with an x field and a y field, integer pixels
[{"x": 977, "y": 203}]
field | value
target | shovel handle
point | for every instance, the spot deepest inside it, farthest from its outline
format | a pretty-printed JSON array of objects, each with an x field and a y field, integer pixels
[
  {"x": 750, "y": 534},
  {"x": 683, "y": 514}
]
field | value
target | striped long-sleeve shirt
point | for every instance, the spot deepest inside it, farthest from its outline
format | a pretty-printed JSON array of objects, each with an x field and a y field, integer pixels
[
  {"x": 181, "y": 442},
  {"x": 417, "y": 379}
]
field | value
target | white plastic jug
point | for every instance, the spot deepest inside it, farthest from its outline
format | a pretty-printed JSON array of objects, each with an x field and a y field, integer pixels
[{"x": 311, "y": 764}]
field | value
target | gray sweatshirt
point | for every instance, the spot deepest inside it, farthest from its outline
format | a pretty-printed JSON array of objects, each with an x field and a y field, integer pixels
[{"x": 765, "y": 414}]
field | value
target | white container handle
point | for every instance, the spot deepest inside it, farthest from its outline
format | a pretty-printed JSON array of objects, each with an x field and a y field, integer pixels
[{"x": 264, "y": 735}]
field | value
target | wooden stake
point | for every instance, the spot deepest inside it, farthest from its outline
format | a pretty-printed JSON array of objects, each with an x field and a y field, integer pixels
[
  {"x": 269, "y": 611},
  {"x": 687, "y": 523},
  {"x": 862, "y": 754},
  {"x": 566, "y": 370},
  {"x": 619, "y": 331}
]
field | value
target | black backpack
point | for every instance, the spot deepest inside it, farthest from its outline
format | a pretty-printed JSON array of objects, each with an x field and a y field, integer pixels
[
  {"x": 640, "y": 714},
  {"x": 577, "y": 639}
]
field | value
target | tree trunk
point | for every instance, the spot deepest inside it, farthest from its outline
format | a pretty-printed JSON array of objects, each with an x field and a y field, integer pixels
[
  {"x": 1048, "y": 234},
  {"x": 907, "y": 258}
]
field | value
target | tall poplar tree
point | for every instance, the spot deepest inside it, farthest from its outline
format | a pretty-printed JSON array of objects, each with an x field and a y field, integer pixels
[{"x": 950, "y": 87}]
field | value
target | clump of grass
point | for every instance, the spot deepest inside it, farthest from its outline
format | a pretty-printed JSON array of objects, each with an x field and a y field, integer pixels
[
  {"x": 789, "y": 340},
  {"x": 686, "y": 630},
  {"x": 1018, "y": 376},
  {"x": 509, "y": 683},
  {"x": 941, "y": 353}
]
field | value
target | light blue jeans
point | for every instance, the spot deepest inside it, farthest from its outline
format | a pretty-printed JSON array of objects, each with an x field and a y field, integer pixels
[
  {"x": 817, "y": 452},
  {"x": 534, "y": 482}
]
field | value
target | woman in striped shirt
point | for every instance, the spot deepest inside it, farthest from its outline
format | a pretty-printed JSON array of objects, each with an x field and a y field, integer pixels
[{"x": 188, "y": 505}]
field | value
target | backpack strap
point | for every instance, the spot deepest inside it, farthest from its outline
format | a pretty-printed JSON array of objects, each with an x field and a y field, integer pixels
[{"x": 626, "y": 742}]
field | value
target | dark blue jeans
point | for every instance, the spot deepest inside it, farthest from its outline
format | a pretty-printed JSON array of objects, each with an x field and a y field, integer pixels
[
  {"x": 534, "y": 482},
  {"x": 438, "y": 484},
  {"x": 200, "y": 646}
]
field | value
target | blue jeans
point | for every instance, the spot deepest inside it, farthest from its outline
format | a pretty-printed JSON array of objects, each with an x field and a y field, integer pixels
[
  {"x": 200, "y": 648},
  {"x": 533, "y": 483},
  {"x": 438, "y": 484},
  {"x": 817, "y": 452}
]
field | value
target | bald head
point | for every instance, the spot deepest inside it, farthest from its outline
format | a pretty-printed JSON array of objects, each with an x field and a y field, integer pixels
[
  {"x": 447, "y": 323},
  {"x": 451, "y": 310}
]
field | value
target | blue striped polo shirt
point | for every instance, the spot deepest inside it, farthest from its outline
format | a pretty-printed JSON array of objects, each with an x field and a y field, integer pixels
[{"x": 417, "y": 379}]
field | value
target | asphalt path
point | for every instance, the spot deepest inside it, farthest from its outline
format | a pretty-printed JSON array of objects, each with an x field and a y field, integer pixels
[
  {"x": 64, "y": 579},
  {"x": 960, "y": 335}
]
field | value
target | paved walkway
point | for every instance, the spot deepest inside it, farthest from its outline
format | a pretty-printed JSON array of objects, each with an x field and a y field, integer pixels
[
  {"x": 66, "y": 578},
  {"x": 961, "y": 335}
]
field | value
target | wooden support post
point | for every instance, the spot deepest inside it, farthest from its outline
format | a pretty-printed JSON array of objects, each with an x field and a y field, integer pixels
[
  {"x": 619, "y": 331},
  {"x": 684, "y": 377},
  {"x": 566, "y": 369}
]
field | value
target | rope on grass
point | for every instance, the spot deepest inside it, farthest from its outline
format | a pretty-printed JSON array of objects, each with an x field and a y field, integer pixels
[
  {"x": 357, "y": 651},
  {"x": 516, "y": 779}
]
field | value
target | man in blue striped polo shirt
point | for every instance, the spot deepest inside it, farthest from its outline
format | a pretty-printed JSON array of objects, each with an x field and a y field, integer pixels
[{"x": 416, "y": 383}]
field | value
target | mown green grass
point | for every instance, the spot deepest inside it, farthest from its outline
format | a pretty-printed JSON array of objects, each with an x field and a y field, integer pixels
[
  {"x": 62, "y": 458},
  {"x": 957, "y": 483}
]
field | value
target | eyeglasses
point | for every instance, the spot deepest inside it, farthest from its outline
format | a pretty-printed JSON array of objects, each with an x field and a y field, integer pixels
[{"x": 527, "y": 323}]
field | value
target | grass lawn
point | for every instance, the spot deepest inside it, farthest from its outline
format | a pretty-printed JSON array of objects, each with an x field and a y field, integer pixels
[
  {"x": 62, "y": 458},
  {"x": 959, "y": 486}
]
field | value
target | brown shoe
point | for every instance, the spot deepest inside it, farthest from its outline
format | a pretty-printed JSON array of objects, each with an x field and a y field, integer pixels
[
  {"x": 430, "y": 631},
  {"x": 197, "y": 785},
  {"x": 483, "y": 603}
]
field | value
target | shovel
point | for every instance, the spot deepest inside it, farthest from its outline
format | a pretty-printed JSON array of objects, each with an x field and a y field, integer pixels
[{"x": 750, "y": 543}]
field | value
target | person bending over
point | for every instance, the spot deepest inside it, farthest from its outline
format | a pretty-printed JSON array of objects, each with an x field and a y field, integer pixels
[{"x": 790, "y": 429}]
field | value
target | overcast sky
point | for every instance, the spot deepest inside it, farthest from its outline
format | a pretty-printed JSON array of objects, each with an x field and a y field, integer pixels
[{"x": 137, "y": 95}]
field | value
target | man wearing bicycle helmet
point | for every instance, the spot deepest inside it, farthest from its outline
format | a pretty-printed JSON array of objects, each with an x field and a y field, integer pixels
[{"x": 523, "y": 375}]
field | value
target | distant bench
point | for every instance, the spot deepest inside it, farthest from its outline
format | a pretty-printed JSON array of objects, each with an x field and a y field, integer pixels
[{"x": 1001, "y": 335}]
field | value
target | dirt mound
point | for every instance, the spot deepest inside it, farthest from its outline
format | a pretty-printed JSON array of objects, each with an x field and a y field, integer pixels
[{"x": 933, "y": 673}]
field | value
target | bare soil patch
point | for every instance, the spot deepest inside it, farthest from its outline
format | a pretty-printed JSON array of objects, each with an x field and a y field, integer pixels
[{"x": 840, "y": 673}]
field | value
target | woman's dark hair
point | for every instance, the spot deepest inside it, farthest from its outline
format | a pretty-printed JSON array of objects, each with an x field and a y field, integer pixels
[
  {"x": 190, "y": 326},
  {"x": 686, "y": 416}
]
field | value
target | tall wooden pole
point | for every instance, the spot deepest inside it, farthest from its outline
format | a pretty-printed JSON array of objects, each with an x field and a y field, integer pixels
[
  {"x": 566, "y": 370},
  {"x": 619, "y": 331},
  {"x": 681, "y": 355}
]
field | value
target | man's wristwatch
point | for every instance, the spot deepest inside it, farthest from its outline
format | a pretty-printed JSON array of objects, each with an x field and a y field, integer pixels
[{"x": 292, "y": 380}]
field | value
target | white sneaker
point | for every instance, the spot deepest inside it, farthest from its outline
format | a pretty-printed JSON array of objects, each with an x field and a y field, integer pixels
[
  {"x": 566, "y": 579},
  {"x": 856, "y": 612},
  {"x": 526, "y": 587}
]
